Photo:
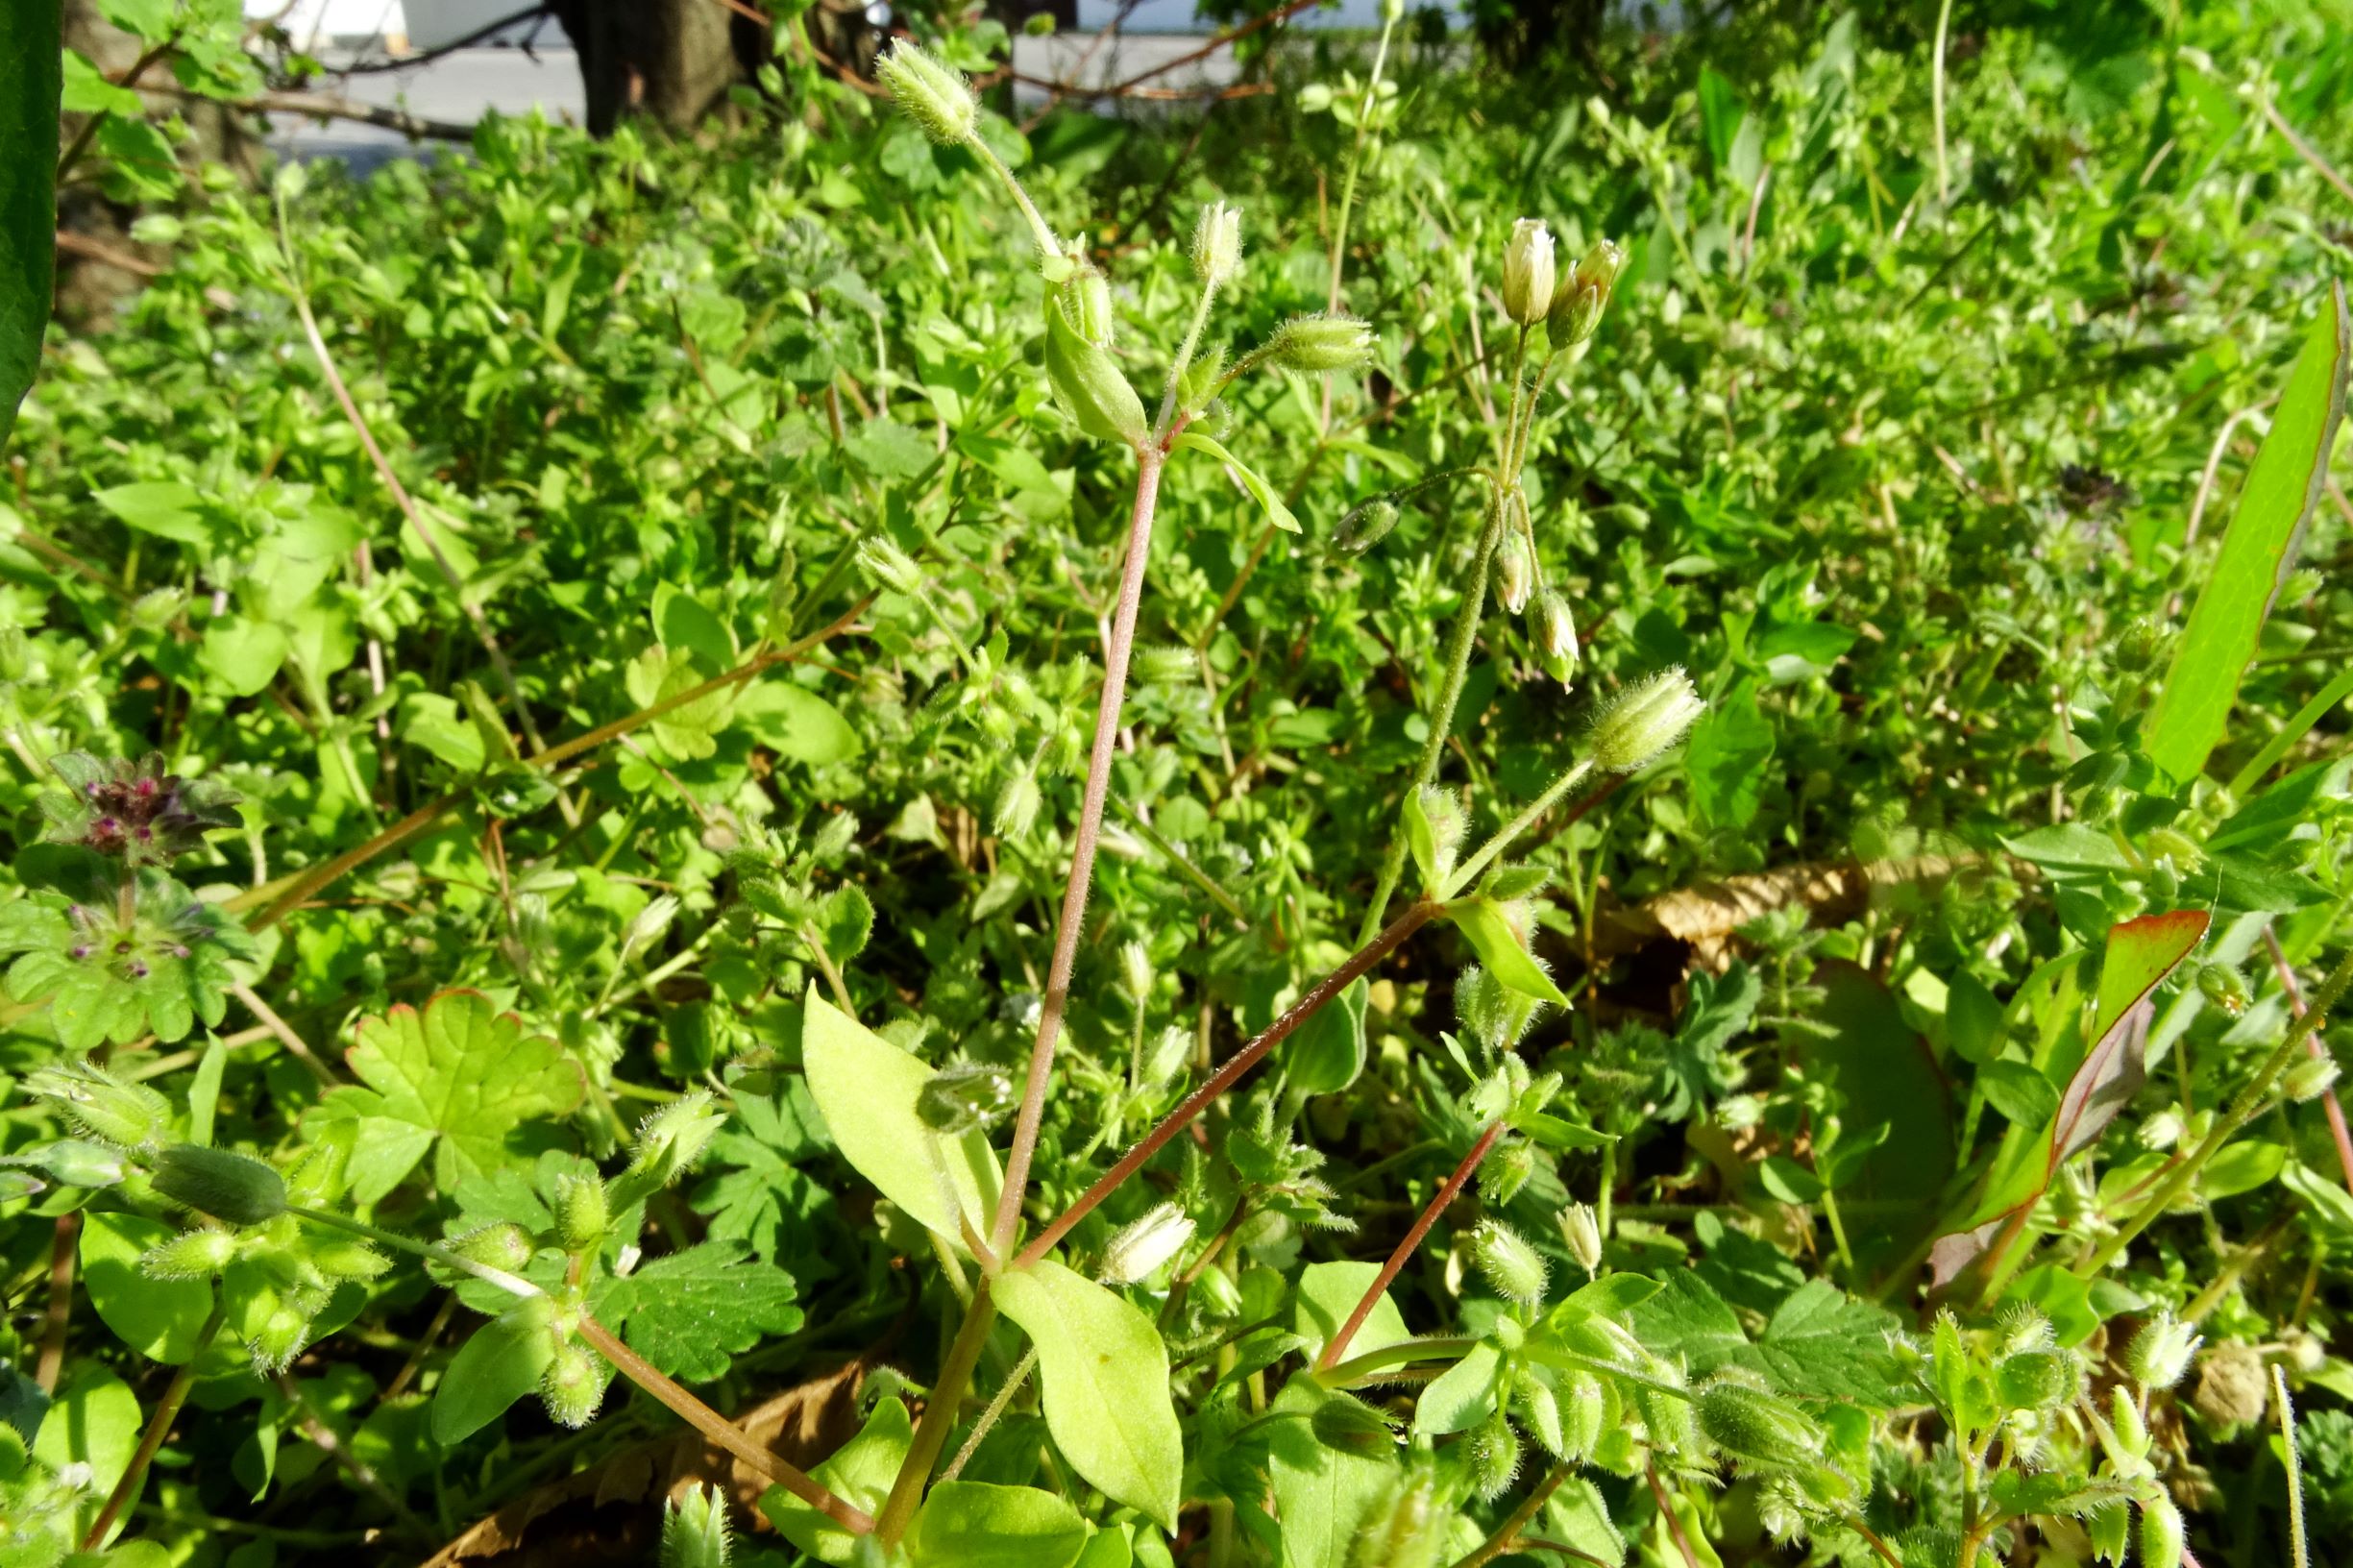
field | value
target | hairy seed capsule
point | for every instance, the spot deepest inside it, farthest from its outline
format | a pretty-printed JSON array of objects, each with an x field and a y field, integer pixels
[
  {"x": 233, "y": 1187},
  {"x": 505, "y": 1246},
  {"x": 2160, "y": 1353},
  {"x": 194, "y": 1255},
  {"x": 1555, "y": 626},
  {"x": 573, "y": 1386},
  {"x": 2036, "y": 1380},
  {"x": 1645, "y": 719},
  {"x": 1169, "y": 665},
  {"x": 1753, "y": 1426},
  {"x": 1492, "y": 1013},
  {"x": 1584, "y": 1410},
  {"x": 1315, "y": 344},
  {"x": 935, "y": 95},
  {"x": 1493, "y": 1455},
  {"x": 582, "y": 1213},
  {"x": 1527, "y": 271},
  {"x": 2130, "y": 1426},
  {"x": 1506, "y": 1172},
  {"x": 1540, "y": 1409},
  {"x": 1514, "y": 1268},
  {"x": 279, "y": 1339}
]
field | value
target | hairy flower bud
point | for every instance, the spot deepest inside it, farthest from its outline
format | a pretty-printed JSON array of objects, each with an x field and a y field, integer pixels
[
  {"x": 572, "y": 1385},
  {"x": 2223, "y": 986},
  {"x": 1583, "y": 294},
  {"x": 1493, "y": 1455},
  {"x": 964, "y": 1096},
  {"x": 583, "y": 1211},
  {"x": 1217, "y": 244},
  {"x": 1349, "y": 1426},
  {"x": 1086, "y": 297},
  {"x": 233, "y": 1187},
  {"x": 129, "y": 1115},
  {"x": 888, "y": 565},
  {"x": 280, "y": 1339},
  {"x": 1408, "y": 1530},
  {"x": 1514, "y": 1268},
  {"x": 505, "y": 1245},
  {"x": 1505, "y": 1172},
  {"x": 1366, "y": 524},
  {"x": 1317, "y": 343},
  {"x": 1555, "y": 628},
  {"x": 695, "y": 1530},
  {"x": 1584, "y": 1410},
  {"x": 1079, "y": 368},
  {"x": 1016, "y": 805},
  {"x": 1515, "y": 571},
  {"x": 1527, "y": 271},
  {"x": 2160, "y": 1353},
  {"x": 934, "y": 94},
  {"x": 1139, "y": 1251},
  {"x": 1644, "y": 719},
  {"x": 1582, "y": 1231},
  {"x": 2312, "y": 1077},
  {"x": 2161, "y": 1532},
  {"x": 2130, "y": 1426},
  {"x": 1753, "y": 1426},
  {"x": 192, "y": 1255},
  {"x": 2036, "y": 1380},
  {"x": 1170, "y": 664}
]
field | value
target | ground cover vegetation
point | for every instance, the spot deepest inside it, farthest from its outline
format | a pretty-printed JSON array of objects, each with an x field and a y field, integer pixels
[{"x": 1585, "y": 816}]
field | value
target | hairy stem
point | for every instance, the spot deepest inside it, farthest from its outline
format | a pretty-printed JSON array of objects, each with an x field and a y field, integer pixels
[
  {"x": 1359, "y": 965},
  {"x": 938, "y": 1417},
  {"x": 1337, "y": 1346},
  {"x": 159, "y": 1427},
  {"x": 989, "y": 1416},
  {"x": 1510, "y": 831},
  {"x": 1082, "y": 844},
  {"x": 1509, "y": 1532}
]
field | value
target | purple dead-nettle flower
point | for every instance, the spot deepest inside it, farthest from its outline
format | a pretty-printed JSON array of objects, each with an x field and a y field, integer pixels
[{"x": 133, "y": 811}]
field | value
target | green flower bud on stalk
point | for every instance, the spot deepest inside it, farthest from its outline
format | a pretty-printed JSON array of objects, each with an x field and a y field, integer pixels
[
  {"x": 1514, "y": 1268},
  {"x": 1492, "y": 1013},
  {"x": 1578, "y": 303},
  {"x": 2130, "y": 1426},
  {"x": 2223, "y": 986},
  {"x": 1540, "y": 1409},
  {"x": 583, "y": 1211},
  {"x": 1086, "y": 296},
  {"x": 345, "y": 1258},
  {"x": 104, "y": 1107},
  {"x": 1135, "y": 970},
  {"x": 1408, "y": 1531},
  {"x": 505, "y": 1246},
  {"x": 1581, "y": 1229},
  {"x": 1217, "y": 244},
  {"x": 670, "y": 1140},
  {"x": 1217, "y": 1294},
  {"x": 964, "y": 1096},
  {"x": 1644, "y": 719},
  {"x": 234, "y": 1187},
  {"x": 2161, "y": 1352},
  {"x": 1086, "y": 377},
  {"x": 1016, "y": 805},
  {"x": 1350, "y": 1425},
  {"x": 1670, "y": 1422},
  {"x": 2312, "y": 1077},
  {"x": 1755, "y": 1426},
  {"x": 934, "y": 94},
  {"x": 2161, "y": 1532},
  {"x": 193, "y": 1254},
  {"x": 1169, "y": 665},
  {"x": 572, "y": 1385},
  {"x": 1366, "y": 524},
  {"x": 1312, "y": 345},
  {"x": 1515, "y": 571},
  {"x": 1506, "y": 1172},
  {"x": 694, "y": 1530},
  {"x": 1527, "y": 271},
  {"x": 1442, "y": 808},
  {"x": 1492, "y": 1454},
  {"x": 1139, "y": 1251},
  {"x": 279, "y": 1339}
]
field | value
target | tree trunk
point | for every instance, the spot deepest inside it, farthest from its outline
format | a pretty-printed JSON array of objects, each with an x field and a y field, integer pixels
[{"x": 669, "y": 59}]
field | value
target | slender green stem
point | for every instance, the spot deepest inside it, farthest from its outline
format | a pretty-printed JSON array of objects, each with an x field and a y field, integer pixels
[
  {"x": 2243, "y": 1110},
  {"x": 513, "y": 1285},
  {"x": 988, "y": 1418},
  {"x": 1038, "y": 226},
  {"x": 1510, "y": 831},
  {"x": 938, "y": 1418},
  {"x": 159, "y": 1427},
  {"x": 1459, "y": 644},
  {"x": 1183, "y": 361},
  {"x": 2299, "y": 1552},
  {"x": 1356, "y": 1368},
  {"x": 1356, "y": 157},
  {"x": 1936, "y": 107},
  {"x": 1500, "y": 1542}
]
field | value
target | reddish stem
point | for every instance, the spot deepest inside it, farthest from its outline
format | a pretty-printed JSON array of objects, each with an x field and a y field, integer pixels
[
  {"x": 1428, "y": 1216},
  {"x": 1360, "y": 963},
  {"x": 2312, "y": 1043},
  {"x": 1082, "y": 843}
]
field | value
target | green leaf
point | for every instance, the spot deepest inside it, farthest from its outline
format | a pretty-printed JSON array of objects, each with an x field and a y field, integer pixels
[
  {"x": 1461, "y": 1396},
  {"x": 1328, "y": 1051},
  {"x": 163, "y": 507},
  {"x": 1088, "y": 380},
  {"x": 1484, "y": 926},
  {"x": 501, "y": 1362},
  {"x": 1277, "y": 514},
  {"x": 161, "y": 1319},
  {"x": 243, "y": 656},
  {"x": 1727, "y": 758},
  {"x": 1328, "y": 1293},
  {"x": 1325, "y": 1497},
  {"x": 2258, "y": 553},
  {"x": 1104, "y": 1377},
  {"x": 859, "y": 1473},
  {"x": 461, "y": 1080},
  {"x": 798, "y": 723},
  {"x": 31, "y": 83},
  {"x": 689, "y": 1311},
  {"x": 87, "y": 91},
  {"x": 94, "y": 1420},
  {"x": 865, "y": 1089},
  {"x": 971, "y": 1524}
]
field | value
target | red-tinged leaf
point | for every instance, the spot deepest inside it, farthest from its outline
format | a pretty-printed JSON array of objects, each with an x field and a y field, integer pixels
[
  {"x": 2110, "y": 1076},
  {"x": 2141, "y": 953}
]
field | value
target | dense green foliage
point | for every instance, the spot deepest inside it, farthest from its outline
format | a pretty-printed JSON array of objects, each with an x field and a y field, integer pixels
[{"x": 746, "y": 462}]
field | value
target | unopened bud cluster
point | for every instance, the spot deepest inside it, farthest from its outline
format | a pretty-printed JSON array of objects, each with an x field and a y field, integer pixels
[{"x": 132, "y": 811}]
